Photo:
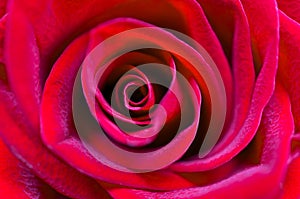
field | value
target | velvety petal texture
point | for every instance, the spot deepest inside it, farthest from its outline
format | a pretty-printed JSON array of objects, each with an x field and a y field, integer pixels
[
  {"x": 149, "y": 99},
  {"x": 265, "y": 179},
  {"x": 17, "y": 181},
  {"x": 288, "y": 75}
]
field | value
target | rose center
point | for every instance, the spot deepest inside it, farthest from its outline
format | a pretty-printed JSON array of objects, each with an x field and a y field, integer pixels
[{"x": 139, "y": 94}]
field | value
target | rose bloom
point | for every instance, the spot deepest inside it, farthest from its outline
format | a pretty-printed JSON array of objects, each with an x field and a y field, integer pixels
[{"x": 242, "y": 99}]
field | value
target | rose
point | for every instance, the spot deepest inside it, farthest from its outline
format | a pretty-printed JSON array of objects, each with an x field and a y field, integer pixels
[
  {"x": 254, "y": 150},
  {"x": 260, "y": 52}
]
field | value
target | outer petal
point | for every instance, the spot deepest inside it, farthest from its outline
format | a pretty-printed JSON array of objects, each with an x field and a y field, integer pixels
[
  {"x": 264, "y": 39},
  {"x": 289, "y": 62},
  {"x": 291, "y": 8},
  {"x": 289, "y": 77},
  {"x": 17, "y": 181},
  {"x": 292, "y": 180},
  {"x": 39, "y": 31},
  {"x": 23, "y": 142}
]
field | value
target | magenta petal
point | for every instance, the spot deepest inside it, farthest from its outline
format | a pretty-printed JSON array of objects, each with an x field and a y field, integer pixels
[
  {"x": 290, "y": 8},
  {"x": 252, "y": 85},
  {"x": 292, "y": 182},
  {"x": 289, "y": 76},
  {"x": 289, "y": 61},
  {"x": 22, "y": 63},
  {"x": 264, "y": 34},
  {"x": 66, "y": 142},
  {"x": 17, "y": 181},
  {"x": 258, "y": 181},
  {"x": 44, "y": 164}
]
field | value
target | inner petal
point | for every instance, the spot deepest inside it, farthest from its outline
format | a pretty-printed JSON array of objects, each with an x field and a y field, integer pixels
[
  {"x": 136, "y": 95},
  {"x": 133, "y": 85}
]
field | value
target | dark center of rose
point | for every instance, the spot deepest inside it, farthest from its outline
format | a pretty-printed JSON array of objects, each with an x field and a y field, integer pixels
[{"x": 139, "y": 94}]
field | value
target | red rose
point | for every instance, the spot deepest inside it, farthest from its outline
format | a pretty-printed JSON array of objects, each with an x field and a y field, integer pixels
[{"x": 149, "y": 99}]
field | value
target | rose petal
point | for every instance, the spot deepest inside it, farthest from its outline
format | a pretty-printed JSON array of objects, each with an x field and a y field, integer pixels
[
  {"x": 292, "y": 182},
  {"x": 263, "y": 180},
  {"x": 145, "y": 136},
  {"x": 289, "y": 62},
  {"x": 22, "y": 63},
  {"x": 13, "y": 119},
  {"x": 68, "y": 141},
  {"x": 40, "y": 160},
  {"x": 264, "y": 34},
  {"x": 290, "y": 8},
  {"x": 54, "y": 27},
  {"x": 289, "y": 76},
  {"x": 17, "y": 181},
  {"x": 230, "y": 23}
]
